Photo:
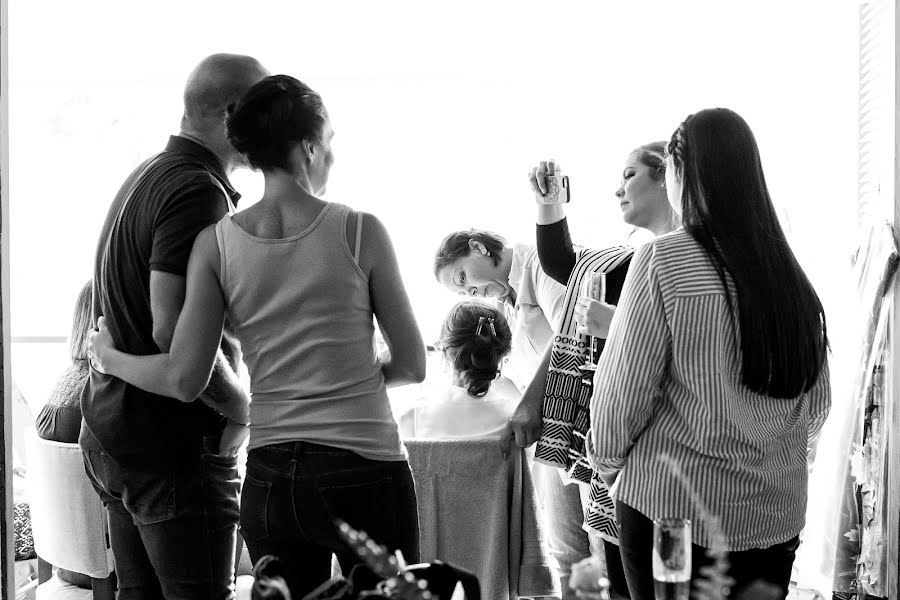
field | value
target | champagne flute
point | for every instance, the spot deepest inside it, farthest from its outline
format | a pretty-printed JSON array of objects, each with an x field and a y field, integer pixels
[
  {"x": 671, "y": 559},
  {"x": 593, "y": 286}
]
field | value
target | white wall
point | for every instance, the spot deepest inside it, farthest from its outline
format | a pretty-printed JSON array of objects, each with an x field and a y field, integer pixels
[{"x": 439, "y": 109}]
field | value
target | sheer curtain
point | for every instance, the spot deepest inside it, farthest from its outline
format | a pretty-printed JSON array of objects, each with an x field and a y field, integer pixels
[{"x": 839, "y": 462}]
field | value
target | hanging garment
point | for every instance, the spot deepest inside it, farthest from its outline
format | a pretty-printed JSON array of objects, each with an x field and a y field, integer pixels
[{"x": 866, "y": 548}]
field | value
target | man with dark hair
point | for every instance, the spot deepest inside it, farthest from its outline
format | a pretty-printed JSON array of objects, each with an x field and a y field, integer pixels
[{"x": 167, "y": 470}]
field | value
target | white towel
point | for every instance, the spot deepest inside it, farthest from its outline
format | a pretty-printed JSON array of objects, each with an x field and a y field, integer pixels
[{"x": 478, "y": 511}]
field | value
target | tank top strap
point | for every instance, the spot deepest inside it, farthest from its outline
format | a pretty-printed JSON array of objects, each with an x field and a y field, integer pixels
[
  {"x": 335, "y": 219},
  {"x": 334, "y": 225},
  {"x": 221, "y": 241}
]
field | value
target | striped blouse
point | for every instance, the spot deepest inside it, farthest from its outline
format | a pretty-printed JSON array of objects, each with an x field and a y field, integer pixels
[{"x": 669, "y": 383}]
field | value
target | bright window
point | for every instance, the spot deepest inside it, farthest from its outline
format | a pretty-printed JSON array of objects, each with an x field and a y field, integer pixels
[{"x": 440, "y": 109}]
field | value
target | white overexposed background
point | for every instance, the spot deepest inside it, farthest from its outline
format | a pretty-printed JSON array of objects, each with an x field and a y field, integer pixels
[{"x": 440, "y": 110}]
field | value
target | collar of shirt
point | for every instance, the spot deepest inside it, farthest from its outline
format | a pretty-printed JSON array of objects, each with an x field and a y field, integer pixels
[
  {"x": 183, "y": 145},
  {"x": 519, "y": 280}
]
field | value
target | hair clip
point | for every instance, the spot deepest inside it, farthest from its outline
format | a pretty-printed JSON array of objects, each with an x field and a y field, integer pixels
[{"x": 481, "y": 323}]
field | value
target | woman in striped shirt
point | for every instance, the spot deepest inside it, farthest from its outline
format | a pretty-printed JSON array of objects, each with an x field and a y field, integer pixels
[{"x": 713, "y": 384}]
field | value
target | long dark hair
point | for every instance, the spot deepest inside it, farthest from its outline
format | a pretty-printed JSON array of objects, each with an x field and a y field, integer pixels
[
  {"x": 726, "y": 207},
  {"x": 474, "y": 338}
]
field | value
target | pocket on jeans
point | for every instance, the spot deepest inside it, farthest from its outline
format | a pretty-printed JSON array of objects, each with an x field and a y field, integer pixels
[
  {"x": 149, "y": 497},
  {"x": 222, "y": 470},
  {"x": 369, "y": 506},
  {"x": 255, "y": 508},
  {"x": 220, "y": 460}
]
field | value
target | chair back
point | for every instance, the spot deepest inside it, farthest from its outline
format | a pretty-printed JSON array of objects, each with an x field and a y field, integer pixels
[
  {"x": 68, "y": 520},
  {"x": 477, "y": 511}
]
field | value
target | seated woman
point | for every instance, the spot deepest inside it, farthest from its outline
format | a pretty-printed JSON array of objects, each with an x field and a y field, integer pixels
[
  {"x": 60, "y": 419},
  {"x": 475, "y": 338}
]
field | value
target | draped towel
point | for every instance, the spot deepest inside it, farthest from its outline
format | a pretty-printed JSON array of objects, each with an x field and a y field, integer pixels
[{"x": 567, "y": 399}]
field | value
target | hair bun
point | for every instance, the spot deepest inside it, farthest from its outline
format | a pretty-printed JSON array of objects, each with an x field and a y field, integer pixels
[
  {"x": 475, "y": 338},
  {"x": 271, "y": 118}
]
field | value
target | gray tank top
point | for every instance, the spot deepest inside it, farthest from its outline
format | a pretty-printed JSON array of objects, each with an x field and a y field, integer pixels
[{"x": 300, "y": 307}]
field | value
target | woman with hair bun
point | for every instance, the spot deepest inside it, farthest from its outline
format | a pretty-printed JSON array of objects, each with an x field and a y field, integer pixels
[
  {"x": 475, "y": 339},
  {"x": 300, "y": 280}
]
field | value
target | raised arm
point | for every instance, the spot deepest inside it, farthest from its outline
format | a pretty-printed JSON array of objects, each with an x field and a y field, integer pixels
[
  {"x": 555, "y": 250},
  {"x": 391, "y": 306},
  {"x": 631, "y": 368},
  {"x": 184, "y": 372}
]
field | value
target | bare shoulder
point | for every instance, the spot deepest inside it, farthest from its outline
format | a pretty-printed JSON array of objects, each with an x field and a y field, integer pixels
[
  {"x": 506, "y": 389},
  {"x": 374, "y": 228},
  {"x": 206, "y": 248},
  {"x": 375, "y": 241},
  {"x": 206, "y": 238}
]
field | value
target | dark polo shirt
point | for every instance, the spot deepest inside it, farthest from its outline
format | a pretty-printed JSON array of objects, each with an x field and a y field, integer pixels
[{"x": 175, "y": 196}]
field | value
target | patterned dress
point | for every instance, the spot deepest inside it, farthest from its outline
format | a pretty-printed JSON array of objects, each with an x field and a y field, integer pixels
[{"x": 566, "y": 417}]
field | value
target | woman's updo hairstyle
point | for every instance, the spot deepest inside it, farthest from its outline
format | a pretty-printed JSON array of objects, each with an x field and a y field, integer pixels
[
  {"x": 273, "y": 116},
  {"x": 653, "y": 155},
  {"x": 475, "y": 337}
]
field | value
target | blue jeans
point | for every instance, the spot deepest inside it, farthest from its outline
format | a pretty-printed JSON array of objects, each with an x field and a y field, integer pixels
[
  {"x": 294, "y": 491},
  {"x": 172, "y": 534}
]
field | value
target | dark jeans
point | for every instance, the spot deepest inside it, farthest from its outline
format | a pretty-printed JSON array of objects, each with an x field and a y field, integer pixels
[
  {"x": 294, "y": 491},
  {"x": 615, "y": 572},
  {"x": 172, "y": 534},
  {"x": 772, "y": 565}
]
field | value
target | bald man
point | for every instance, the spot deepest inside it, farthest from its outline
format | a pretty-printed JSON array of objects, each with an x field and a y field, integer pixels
[{"x": 167, "y": 470}]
